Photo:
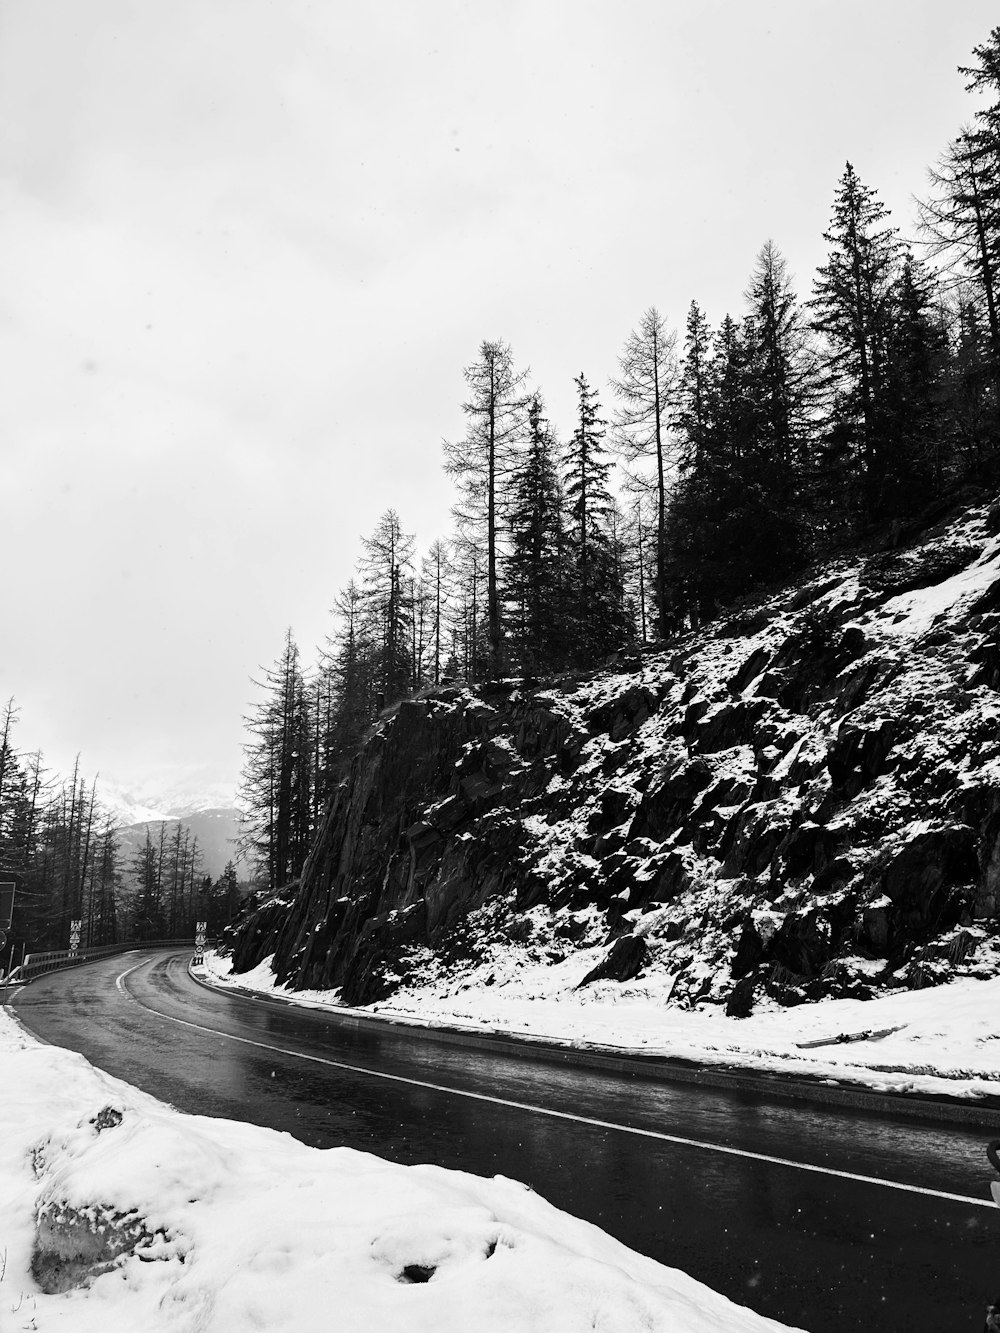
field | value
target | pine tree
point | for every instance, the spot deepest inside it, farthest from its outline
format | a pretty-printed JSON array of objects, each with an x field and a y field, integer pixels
[
  {"x": 227, "y": 891},
  {"x": 915, "y": 385},
  {"x": 147, "y": 906},
  {"x": 598, "y": 619},
  {"x": 483, "y": 463},
  {"x": 960, "y": 222},
  {"x": 852, "y": 301},
  {"x": 11, "y": 787},
  {"x": 437, "y": 578},
  {"x": 692, "y": 404},
  {"x": 535, "y": 584},
  {"x": 785, "y": 367},
  {"x": 348, "y": 670},
  {"x": 385, "y": 571},
  {"x": 969, "y": 381},
  {"x": 648, "y": 380},
  {"x": 276, "y": 791},
  {"x": 102, "y": 918}
]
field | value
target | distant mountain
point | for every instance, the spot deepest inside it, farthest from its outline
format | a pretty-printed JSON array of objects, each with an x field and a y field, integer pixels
[
  {"x": 131, "y": 804},
  {"x": 215, "y": 829}
]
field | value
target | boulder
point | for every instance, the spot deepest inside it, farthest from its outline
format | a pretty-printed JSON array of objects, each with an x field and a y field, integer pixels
[
  {"x": 874, "y": 926},
  {"x": 931, "y": 882},
  {"x": 858, "y": 755},
  {"x": 806, "y": 849},
  {"x": 728, "y": 725},
  {"x": 803, "y": 943},
  {"x": 622, "y": 962},
  {"x": 741, "y": 999},
  {"x": 750, "y": 670},
  {"x": 665, "y": 803},
  {"x": 749, "y": 951},
  {"x": 619, "y": 717}
]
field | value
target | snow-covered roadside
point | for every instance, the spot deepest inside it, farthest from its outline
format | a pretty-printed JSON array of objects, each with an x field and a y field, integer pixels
[
  {"x": 941, "y": 1040},
  {"x": 229, "y": 1227}
]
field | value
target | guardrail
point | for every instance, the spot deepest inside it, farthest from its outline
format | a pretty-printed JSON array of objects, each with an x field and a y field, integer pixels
[{"x": 37, "y": 964}]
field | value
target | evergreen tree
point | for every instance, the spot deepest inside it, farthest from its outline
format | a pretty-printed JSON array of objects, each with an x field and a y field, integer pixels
[
  {"x": 648, "y": 379},
  {"x": 227, "y": 892},
  {"x": 437, "y": 578},
  {"x": 469, "y": 624},
  {"x": 147, "y": 906},
  {"x": 636, "y": 537},
  {"x": 960, "y": 223},
  {"x": 483, "y": 463},
  {"x": 598, "y": 616},
  {"x": 747, "y": 400},
  {"x": 707, "y": 528},
  {"x": 785, "y": 368},
  {"x": 385, "y": 571},
  {"x": 348, "y": 676},
  {"x": 983, "y": 77},
  {"x": 535, "y": 583},
  {"x": 968, "y": 396},
  {"x": 102, "y": 913},
  {"x": 692, "y": 409},
  {"x": 852, "y": 301},
  {"x": 915, "y": 378},
  {"x": 276, "y": 792}
]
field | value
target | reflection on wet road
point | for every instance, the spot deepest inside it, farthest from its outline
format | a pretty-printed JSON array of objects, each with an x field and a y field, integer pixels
[{"x": 819, "y": 1251}]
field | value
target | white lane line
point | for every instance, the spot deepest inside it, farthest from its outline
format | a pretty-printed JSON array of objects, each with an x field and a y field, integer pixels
[
  {"x": 120, "y": 982},
  {"x": 657, "y": 1134}
]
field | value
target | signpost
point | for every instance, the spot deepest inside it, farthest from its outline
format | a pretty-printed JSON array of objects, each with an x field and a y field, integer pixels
[
  {"x": 199, "y": 941},
  {"x": 7, "y": 888},
  {"x": 75, "y": 926}
]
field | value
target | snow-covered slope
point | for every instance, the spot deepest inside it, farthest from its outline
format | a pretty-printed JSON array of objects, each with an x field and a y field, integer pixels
[
  {"x": 120, "y": 1213},
  {"x": 131, "y": 803},
  {"x": 801, "y": 801}
]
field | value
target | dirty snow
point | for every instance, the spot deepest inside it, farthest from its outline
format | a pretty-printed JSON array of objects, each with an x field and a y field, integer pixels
[{"x": 245, "y": 1228}]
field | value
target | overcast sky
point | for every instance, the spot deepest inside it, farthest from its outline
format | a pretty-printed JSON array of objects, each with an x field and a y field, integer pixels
[{"x": 248, "y": 247}]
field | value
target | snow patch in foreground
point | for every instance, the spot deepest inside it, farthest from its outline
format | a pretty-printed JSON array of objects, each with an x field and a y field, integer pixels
[{"x": 236, "y": 1227}]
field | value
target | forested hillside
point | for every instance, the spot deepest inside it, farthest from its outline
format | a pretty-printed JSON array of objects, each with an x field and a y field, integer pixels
[
  {"x": 71, "y": 859},
  {"x": 799, "y": 800},
  {"x": 722, "y": 460}
]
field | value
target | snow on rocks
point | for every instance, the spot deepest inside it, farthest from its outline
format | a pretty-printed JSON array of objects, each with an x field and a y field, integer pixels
[
  {"x": 122, "y": 1213},
  {"x": 829, "y": 753}
]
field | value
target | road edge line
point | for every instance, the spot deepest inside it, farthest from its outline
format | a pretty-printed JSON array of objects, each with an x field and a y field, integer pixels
[{"x": 781, "y": 1086}]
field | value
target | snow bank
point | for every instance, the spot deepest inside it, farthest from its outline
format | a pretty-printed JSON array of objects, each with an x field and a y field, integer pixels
[
  {"x": 942, "y": 1040},
  {"x": 228, "y": 1227}
]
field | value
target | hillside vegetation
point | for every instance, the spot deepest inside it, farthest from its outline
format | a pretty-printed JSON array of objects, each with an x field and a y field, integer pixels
[{"x": 800, "y": 800}]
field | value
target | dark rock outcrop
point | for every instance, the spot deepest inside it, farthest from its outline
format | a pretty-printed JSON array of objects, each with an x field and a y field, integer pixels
[
  {"x": 814, "y": 780},
  {"x": 624, "y": 960}
]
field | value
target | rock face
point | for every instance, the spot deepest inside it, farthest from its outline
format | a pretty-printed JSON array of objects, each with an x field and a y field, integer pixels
[{"x": 802, "y": 799}]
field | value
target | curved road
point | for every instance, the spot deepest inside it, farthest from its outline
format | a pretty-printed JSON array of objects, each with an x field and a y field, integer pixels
[{"x": 824, "y": 1218}]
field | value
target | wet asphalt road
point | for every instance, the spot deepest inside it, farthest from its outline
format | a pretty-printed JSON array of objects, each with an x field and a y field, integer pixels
[{"x": 815, "y": 1250}]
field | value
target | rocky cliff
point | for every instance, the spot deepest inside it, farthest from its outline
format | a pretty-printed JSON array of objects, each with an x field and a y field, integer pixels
[{"x": 802, "y": 799}]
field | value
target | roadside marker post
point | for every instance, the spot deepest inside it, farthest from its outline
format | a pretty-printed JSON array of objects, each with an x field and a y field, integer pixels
[{"x": 7, "y": 890}]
